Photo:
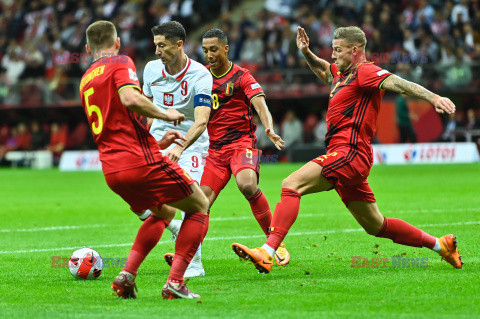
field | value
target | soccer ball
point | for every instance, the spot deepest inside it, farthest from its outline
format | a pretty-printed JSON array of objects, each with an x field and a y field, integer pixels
[{"x": 85, "y": 263}]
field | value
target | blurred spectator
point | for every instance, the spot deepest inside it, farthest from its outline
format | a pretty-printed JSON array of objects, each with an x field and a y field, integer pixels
[
  {"x": 425, "y": 14},
  {"x": 449, "y": 131},
  {"x": 405, "y": 127},
  {"x": 252, "y": 49},
  {"x": 321, "y": 130},
  {"x": 58, "y": 140},
  {"x": 14, "y": 67},
  {"x": 472, "y": 121},
  {"x": 459, "y": 74},
  {"x": 24, "y": 139},
  {"x": 291, "y": 129},
  {"x": 460, "y": 13},
  {"x": 39, "y": 137}
]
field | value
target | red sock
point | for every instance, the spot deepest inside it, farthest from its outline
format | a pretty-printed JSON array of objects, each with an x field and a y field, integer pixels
[
  {"x": 205, "y": 230},
  {"x": 189, "y": 237},
  {"x": 147, "y": 237},
  {"x": 285, "y": 214},
  {"x": 403, "y": 233},
  {"x": 261, "y": 210}
]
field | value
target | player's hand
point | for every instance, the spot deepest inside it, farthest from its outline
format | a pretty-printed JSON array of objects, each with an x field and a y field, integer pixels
[
  {"x": 443, "y": 105},
  {"x": 171, "y": 137},
  {"x": 174, "y": 116},
  {"x": 276, "y": 139},
  {"x": 175, "y": 153},
  {"x": 302, "y": 40}
]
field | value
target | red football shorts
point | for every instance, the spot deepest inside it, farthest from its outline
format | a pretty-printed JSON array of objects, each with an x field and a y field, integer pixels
[
  {"x": 148, "y": 187},
  {"x": 220, "y": 165},
  {"x": 348, "y": 174}
]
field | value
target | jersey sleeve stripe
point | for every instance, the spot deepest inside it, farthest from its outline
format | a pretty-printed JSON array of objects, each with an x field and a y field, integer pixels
[
  {"x": 150, "y": 97},
  {"x": 258, "y": 94},
  {"x": 380, "y": 84},
  {"x": 129, "y": 85}
]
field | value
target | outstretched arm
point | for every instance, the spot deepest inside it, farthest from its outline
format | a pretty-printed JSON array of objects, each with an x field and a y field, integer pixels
[
  {"x": 397, "y": 84},
  {"x": 136, "y": 102},
  {"x": 320, "y": 67},
  {"x": 267, "y": 122},
  {"x": 202, "y": 114}
]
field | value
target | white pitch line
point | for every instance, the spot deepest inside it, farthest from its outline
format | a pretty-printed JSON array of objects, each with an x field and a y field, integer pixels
[
  {"x": 21, "y": 230},
  {"x": 319, "y": 232},
  {"x": 246, "y": 217}
]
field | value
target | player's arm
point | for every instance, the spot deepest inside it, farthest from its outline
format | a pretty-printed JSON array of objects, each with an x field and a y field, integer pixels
[
  {"x": 397, "y": 84},
  {"x": 266, "y": 118},
  {"x": 320, "y": 67},
  {"x": 136, "y": 102},
  {"x": 202, "y": 114}
]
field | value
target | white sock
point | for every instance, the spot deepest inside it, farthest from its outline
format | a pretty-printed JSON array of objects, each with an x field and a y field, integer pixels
[
  {"x": 269, "y": 250},
  {"x": 437, "y": 246},
  {"x": 145, "y": 214}
]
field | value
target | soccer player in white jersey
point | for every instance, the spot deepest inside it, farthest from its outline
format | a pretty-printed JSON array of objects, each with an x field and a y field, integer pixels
[{"x": 174, "y": 81}]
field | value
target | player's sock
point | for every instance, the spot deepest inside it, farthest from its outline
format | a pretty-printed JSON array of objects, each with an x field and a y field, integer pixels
[
  {"x": 285, "y": 214},
  {"x": 437, "y": 248},
  {"x": 188, "y": 240},
  {"x": 205, "y": 230},
  {"x": 269, "y": 250},
  {"x": 401, "y": 232},
  {"x": 147, "y": 237},
  {"x": 261, "y": 210},
  {"x": 145, "y": 215}
]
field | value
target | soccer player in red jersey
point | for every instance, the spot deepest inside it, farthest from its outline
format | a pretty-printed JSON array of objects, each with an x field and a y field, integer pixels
[
  {"x": 357, "y": 90},
  {"x": 132, "y": 163}
]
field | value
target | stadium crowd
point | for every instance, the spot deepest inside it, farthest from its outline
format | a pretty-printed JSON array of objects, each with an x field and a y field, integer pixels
[{"x": 433, "y": 42}]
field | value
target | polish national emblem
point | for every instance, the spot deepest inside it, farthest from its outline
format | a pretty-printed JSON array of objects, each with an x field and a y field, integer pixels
[{"x": 168, "y": 99}]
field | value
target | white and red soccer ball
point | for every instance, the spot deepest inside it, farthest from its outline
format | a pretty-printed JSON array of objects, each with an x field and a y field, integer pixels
[{"x": 85, "y": 263}]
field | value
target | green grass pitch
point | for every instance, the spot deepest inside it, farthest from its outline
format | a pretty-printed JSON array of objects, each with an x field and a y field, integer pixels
[{"x": 50, "y": 213}]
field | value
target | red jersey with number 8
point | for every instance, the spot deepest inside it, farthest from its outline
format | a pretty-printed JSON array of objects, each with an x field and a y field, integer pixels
[
  {"x": 231, "y": 116},
  {"x": 123, "y": 141}
]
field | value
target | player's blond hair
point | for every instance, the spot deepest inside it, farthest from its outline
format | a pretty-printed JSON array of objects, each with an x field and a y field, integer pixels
[
  {"x": 352, "y": 35},
  {"x": 101, "y": 35}
]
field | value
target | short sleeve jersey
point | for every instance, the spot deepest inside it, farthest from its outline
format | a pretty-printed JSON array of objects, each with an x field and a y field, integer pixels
[
  {"x": 123, "y": 141},
  {"x": 184, "y": 91},
  {"x": 231, "y": 116},
  {"x": 355, "y": 99}
]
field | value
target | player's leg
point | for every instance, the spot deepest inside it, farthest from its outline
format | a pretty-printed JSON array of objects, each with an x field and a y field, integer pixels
[
  {"x": 247, "y": 182},
  {"x": 245, "y": 165},
  {"x": 369, "y": 217},
  {"x": 133, "y": 186},
  {"x": 308, "y": 179},
  {"x": 191, "y": 232}
]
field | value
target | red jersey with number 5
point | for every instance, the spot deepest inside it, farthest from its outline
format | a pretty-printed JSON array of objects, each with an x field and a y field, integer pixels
[
  {"x": 231, "y": 116},
  {"x": 353, "y": 108},
  {"x": 123, "y": 141}
]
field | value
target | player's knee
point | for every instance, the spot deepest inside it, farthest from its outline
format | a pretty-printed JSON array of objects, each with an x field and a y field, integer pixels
[
  {"x": 248, "y": 189},
  {"x": 289, "y": 182}
]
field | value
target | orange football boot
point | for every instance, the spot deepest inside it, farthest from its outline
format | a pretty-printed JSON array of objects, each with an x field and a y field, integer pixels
[
  {"x": 258, "y": 256},
  {"x": 449, "y": 251}
]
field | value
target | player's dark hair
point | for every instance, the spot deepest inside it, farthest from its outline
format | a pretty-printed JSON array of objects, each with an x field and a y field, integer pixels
[
  {"x": 172, "y": 31},
  {"x": 216, "y": 33},
  {"x": 101, "y": 35}
]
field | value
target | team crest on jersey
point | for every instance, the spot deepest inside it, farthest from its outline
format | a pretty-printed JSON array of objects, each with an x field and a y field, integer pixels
[
  {"x": 229, "y": 89},
  {"x": 168, "y": 99}
]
